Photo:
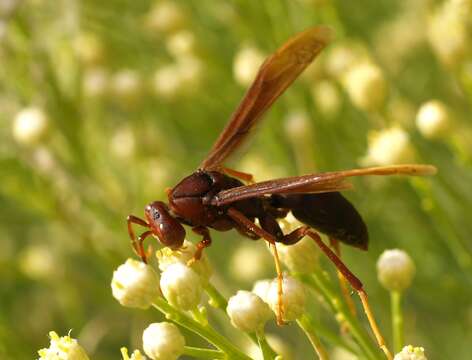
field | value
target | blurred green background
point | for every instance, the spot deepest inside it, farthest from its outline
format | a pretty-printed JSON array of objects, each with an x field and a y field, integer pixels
[{"x": 105, "y": 104}]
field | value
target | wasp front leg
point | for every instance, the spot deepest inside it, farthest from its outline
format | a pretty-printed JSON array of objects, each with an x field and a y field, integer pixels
[{"x": 204, "y": 243}]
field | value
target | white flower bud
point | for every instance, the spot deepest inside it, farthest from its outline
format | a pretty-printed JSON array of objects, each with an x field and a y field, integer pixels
[
  {"x": 62, "y": 348},
  {"x": 261, "y": 289},
  {"x": 95, "y": 82},
  {"x": 136, "y": 355},
  {"x": 190, "y": 71},
  {"x": 411, "y": 353},
  {"x": 163, "y": 341},
  {"x": 293, "y": 298},
  {"x": 388, "y": 147},
  {"x": 167, "y": 81},
  {"x": 327, "y": 97},
  {"x": 123, "y": 143},
  {"x": 297, "y": 125},
  {"x": 181, "y": 43},
  {"x": 165, "y": 16},
  {"x": 249, "y": 263},
  {"x": 366, "y": 86},
  {"x": 38, "y": 262},
  {"x": 30, "y": 126},
  {"x": 135, "y": 284},
  {"x": 433, "y": 119},
  {"x": 341, "y": 57},
  {"x": 181, "y": 286},
  {"x": 449, "y": 32},
  {"x": 167, "y": 257},
  {"x": 246, "y": 65},
  {"x": 395, "y": 270},
  {"x": 247, "y": 311},
  {"x": 126, "y": 85},
  {"x": 89, "y": 48},
  {"x": 301, "y": 257}
]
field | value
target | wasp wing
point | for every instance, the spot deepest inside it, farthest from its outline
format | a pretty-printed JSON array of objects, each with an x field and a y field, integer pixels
[
  {"x": 315, "y": 183},
  {"x": 274, "y": 77}
]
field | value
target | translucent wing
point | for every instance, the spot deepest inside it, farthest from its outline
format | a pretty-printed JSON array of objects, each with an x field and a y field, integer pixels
[
  {"x": 315, "y": 183},
  {"x": 273, "y": 78}
]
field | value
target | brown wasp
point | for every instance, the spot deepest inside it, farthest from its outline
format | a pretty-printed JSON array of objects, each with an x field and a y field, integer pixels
[{"x": 215, "y": 197}]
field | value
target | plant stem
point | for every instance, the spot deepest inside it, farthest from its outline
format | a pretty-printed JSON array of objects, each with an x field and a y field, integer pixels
[
  {"x": 397, "y": 320},
  {"x": 267, "y": 352},
  {"x": 306, "y": 325},
  {"x": 203, "y": 353},
  {"x": 320, "y": 284},
  {"x": 206, "y": 332}
]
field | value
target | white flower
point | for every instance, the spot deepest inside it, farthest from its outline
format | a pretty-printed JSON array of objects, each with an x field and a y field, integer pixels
[
  {"x": 135, "y": 284},
  {"x": 327, "y": 97},
  {"x": 163, "y": 341},
  {"x": 126, "y": 85},
  {"x": 366, "y": 86},
  {"x": 301, "y": 257},
  {"x": 89, "y": 48},
  {"x": 261, "y": 288},
  {"x": 246, "y": 65},
  {"x": 38, "y": 262},
  {"x": 30, "y": 125},
  {"x": 167, "y": 257},
  {"x": 249, "y": 263},
  {"x": 395, "y": 270},
  {"x": 293, "y": 298},
  {"x": 165, "y": 16},
  {"x": 181, "y": 286},
  {"x": 62, "y": 348},
  {"x": 247, "y": 311},
  {"x": 95, "y": 82},
  {"x": 167, "y": 81},
  {"x": 411, "y": 353},
  {"x": 297, "y": 125},
  {"x": 136, "y": 355},
  {"x": 433, "y": 119},
  {"x": 387, "y": 147},
  {"x": 123, "y": 143},
  {"x": 181, "y": 43}
]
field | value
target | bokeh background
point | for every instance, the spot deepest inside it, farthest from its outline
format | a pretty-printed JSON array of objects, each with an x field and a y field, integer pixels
[{"x": 105, "y": 104}]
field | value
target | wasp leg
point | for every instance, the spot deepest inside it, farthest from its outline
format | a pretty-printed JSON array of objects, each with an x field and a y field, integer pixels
[
  {"x": 342, "y": 280},
  {"x": 206, "y": 241},
  {"x": 250, "y": 227},
  {"x": 137, "y": 244},
  {"x": 298, "y": 234}
]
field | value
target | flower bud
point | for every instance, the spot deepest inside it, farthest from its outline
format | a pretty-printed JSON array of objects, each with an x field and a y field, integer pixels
[
  {"x": 136, "y": 355},
  {"x": 247, "y": 311},
  {"x": 163, "y": 341},
  {"x": 327, "y": 97},
  {"x": 246, "y": 65},
  {"x": 166, "y": 257},
  {"x": 167, "y": 81},
  {"x": 433, "y": 119},
  {"x": 261, "y": 289},
  {"x": 30, "y": 126},
  {"x": 366, "y": 86},
  {"x": 395, "y": 270},
  {"x": 388, "y": 147},
  {"x": 181, "y": 43},
  {"x": 62, "y": 348},
  {"x": 181, "y": 286},
  {"x": 126, "y": 86},
  {"x": 166, "y": 17},
  {"x": 95, "y": 82},
  {"x": 135, "y": 284},
  {"x": 89, "y": 48},
  {"x": 293, "y": 298},
  {"x": 411, "y": 353},
  {"x": 301, "y": 257}
]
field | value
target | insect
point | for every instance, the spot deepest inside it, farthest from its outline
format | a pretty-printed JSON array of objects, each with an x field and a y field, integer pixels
[{"x": 219, "y": 198}]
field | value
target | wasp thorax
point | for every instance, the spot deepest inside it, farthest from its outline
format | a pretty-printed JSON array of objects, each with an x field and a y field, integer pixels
[{"x": 168, "y": 229}]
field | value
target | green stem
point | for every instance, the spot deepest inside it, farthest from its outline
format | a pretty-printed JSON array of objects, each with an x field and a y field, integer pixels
[
  {"x": 330, "y": 336},
  {"x": 267, "y": 352},
  {"x": 397, "y": 320},
  {"x": 320, "y": 283},
  {"x": 203, "y": 353},
  {"x": 204, "y": 331},
  {"x": 305, "y": 323}
]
